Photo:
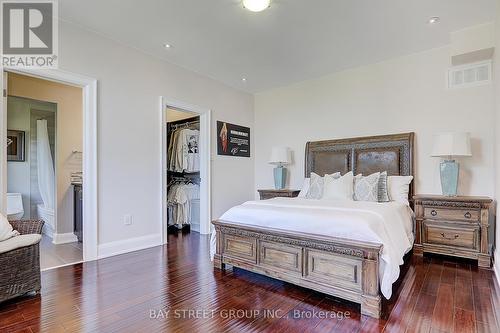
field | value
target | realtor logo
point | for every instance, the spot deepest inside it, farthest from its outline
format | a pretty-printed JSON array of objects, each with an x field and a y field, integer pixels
[{"x": 29, "y": 33}]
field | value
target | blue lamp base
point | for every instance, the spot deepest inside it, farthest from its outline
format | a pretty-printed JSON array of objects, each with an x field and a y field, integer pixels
[
  {"x": 449, "y": 177},
  {"x": 279, "y": 177}
]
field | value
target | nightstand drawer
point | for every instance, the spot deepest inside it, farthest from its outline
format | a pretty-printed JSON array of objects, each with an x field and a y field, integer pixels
[
  {"x": 269, "y": 194},
  {"x": 455, "y": 235},
  {"x": 451, "y": 214},
  {"x": 265, "y": 196}
]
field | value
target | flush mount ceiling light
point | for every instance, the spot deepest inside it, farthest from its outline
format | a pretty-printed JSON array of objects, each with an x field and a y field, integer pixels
[
  {"x": 167, "y": 46},
  {"x": 256, "y": 5},
  {"x": 244, "y": 79},
  {"x": 434, "y": 20}
]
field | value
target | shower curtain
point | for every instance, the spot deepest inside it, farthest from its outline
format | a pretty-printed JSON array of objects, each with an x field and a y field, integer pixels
[{"x": 46, "y": 181}]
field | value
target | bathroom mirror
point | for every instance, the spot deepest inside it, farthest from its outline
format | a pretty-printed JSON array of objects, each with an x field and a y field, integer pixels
[{"x": 15, "y": 146}]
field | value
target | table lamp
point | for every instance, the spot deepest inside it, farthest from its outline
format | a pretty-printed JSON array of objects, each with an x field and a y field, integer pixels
[
  {"x": 280, "y": 156},
  {"x": 448, "y": 145}
]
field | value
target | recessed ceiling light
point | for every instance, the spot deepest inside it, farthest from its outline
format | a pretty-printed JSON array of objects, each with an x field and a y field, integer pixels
[
  {"x": 256, "y": 5},
  {"x": 167, "y": 46},
  {"x": 244, "y": 79},
  {"x": 434, "y": 20}
]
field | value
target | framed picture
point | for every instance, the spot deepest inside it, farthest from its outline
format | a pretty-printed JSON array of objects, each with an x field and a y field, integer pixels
[
  {"x": 233, "y": 140},
  {"x": 15, "y": 146}
]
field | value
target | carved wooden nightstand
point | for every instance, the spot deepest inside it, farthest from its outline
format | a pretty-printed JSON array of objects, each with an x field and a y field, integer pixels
[
  {"x": 269, "y": 194},
  {"x": 455, "y": 226}
]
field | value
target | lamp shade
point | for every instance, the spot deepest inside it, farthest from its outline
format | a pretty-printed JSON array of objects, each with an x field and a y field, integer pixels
[
  {"x": 280, "y": 155},
  {"x": 452, "y": 144}
]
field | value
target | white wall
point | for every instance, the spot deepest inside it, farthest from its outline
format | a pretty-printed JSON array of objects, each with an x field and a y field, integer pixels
[
  {"x": 497, "y": 137},
  {"x": 400, "y": 95},
  {"x": 19, "y": 172},
  {"x": 129, "y": 162}
]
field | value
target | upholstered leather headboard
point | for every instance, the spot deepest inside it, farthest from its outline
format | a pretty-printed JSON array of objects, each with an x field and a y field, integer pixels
[{"x": 392, "y": 153}]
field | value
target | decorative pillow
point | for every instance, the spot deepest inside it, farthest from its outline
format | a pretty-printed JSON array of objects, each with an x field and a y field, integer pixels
[
  {"x": 316, "y": 185},
  {"x": 305, "y": 188},
  {"x": 383, "y": 192},
  {"x": 338, "y": 188},
  {"x": 399, "y": 187},
  {"x": 6, "y": 230},
  {"x": 366, "y": 188}
]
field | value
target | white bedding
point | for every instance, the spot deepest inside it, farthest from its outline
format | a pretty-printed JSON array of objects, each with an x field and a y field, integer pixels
[{"x": 389, "y": 224}]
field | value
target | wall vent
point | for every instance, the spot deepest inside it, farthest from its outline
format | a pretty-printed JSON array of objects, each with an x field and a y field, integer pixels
[{"x": 469, "y": 75}]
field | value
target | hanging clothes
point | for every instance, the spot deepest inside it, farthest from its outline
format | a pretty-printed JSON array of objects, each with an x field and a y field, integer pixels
[
  {"x": 180, "y": 198},
  {"x": 183, "y": 151}
]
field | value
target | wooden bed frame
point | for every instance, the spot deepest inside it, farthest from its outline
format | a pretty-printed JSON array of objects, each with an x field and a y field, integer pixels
[{"x": 344, "y": 268}]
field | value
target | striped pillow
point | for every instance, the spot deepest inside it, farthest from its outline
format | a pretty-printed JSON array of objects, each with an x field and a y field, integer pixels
[{"x": 383, "y": 192}]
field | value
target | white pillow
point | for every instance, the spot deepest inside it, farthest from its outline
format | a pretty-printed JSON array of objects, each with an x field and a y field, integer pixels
[
  {"x": 398, "y": 188},
  {"x": 6, "y": 230},
  {"x": 305, "y": 188},
  {"x": 316, "y": 184},
  {"x": 366, "y": 188},
  {"x": 339, "y": 188}
]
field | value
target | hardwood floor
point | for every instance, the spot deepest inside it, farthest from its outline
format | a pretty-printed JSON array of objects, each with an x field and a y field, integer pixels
[{"x": 133, "y": 292}]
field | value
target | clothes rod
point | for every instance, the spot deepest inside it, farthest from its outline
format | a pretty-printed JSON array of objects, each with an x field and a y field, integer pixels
[{"x": 186, "y": 124}]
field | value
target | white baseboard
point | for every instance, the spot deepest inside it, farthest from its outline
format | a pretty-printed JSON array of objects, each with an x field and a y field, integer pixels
[
  {"x": 496, "y": 269},
  {"x": 48, "y": 231},
  {"x": 195, "y": 227},
  {"x": 64, "y": 238},
  {"x": 128, "y": 245}
]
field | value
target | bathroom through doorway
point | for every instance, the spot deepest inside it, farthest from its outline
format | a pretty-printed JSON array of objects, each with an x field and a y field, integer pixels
[{"x": 44, "y": 163}]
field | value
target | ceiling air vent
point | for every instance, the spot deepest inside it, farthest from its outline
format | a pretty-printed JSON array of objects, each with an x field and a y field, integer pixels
[{"x": 469, "y": 75}]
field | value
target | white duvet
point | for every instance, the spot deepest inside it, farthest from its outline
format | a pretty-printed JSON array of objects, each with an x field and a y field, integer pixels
[{"x": 389, "y": 224}]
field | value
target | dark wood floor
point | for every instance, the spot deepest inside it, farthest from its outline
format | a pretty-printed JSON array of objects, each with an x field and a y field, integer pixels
[{"x": 126, "y": 293}]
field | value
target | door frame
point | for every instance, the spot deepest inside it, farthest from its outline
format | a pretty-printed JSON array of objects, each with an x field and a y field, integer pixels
[
  {"x": 90, "y": 189},
  {"x": 205, "y": 163}
]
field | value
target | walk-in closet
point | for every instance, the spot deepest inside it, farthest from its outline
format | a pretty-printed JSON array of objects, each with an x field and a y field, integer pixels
[{"x": 183, "y": 171}]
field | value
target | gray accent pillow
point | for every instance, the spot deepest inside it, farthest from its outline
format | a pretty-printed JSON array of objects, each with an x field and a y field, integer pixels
[
  {"x": 383, "y": 192},
  {"x": 366, "y": 188}
]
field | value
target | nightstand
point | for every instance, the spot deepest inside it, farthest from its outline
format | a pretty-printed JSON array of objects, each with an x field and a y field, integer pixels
[
  {"x": 455, "y": 226},
  {"x": 269, "y": 194}
]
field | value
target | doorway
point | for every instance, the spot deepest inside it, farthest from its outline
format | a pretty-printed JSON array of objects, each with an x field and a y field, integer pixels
[
  {"x": 44, "y": 165},
  {"x": 177, "y": 116},
  {"x": 88, "y": 153}
]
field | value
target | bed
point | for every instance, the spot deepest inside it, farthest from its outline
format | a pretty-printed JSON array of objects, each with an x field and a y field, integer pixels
[{"x": 291, "y": 240}]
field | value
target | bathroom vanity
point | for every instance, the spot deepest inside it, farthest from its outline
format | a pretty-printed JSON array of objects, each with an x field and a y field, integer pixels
[{"x": 78, "y": 210}]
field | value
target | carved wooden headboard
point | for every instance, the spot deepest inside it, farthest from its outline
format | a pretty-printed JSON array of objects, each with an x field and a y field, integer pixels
[{"x": 392, "y": 153}]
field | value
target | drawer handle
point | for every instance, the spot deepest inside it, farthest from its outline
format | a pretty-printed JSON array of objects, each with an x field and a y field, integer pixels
[
  {"x": 467, "y": 215},
  {"x": 450, "y": 238},
  {"x": 433, "y": 212}
]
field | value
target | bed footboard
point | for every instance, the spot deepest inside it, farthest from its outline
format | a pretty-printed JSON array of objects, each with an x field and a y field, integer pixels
[{"x": 339, "y": 267}]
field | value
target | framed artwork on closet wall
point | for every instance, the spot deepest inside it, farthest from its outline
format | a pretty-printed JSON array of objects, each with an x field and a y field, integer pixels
[
  {"x": 15, "y": 146},
  {"x": 233, "y": 140}
]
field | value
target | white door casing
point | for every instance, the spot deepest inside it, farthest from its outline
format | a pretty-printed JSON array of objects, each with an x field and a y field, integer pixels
[
  {"x": 205, "y": 163},
  {"x": 90, "y": 193}
]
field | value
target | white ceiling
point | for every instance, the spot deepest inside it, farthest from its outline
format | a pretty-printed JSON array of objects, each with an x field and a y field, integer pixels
[{"x": 293, "y": 40}]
